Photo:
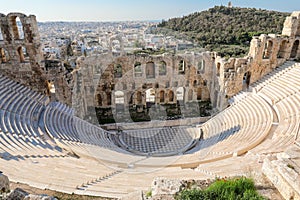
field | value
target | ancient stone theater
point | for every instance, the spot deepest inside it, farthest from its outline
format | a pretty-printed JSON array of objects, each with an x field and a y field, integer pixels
[{"x": 52, "y": 140}]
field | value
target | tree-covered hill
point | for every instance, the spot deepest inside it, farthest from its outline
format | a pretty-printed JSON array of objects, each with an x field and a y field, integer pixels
[{"x": 224, "y": 29}]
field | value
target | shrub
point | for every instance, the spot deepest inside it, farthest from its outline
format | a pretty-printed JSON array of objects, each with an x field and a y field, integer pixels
[
  {"x": 149, "y": 194},
  {"x": 235, "y": 189}
]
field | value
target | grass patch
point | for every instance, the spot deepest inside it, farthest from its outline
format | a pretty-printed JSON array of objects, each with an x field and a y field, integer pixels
[
  {"x": 235, "y": 189},
  {"x": 148, "y": 193}
]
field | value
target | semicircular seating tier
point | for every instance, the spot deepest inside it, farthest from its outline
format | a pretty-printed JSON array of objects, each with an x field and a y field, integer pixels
[{"x": 68, "y": 154}]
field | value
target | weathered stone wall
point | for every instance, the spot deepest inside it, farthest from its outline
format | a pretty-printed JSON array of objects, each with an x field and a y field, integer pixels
[
  {"x": 266, "y": 53},
  {"x": 206, "y": 75},
  {"x": 21, "y": 58},
  {"x": 20, "y": 51},
  {"x": 104, "y": 80},
  {"x": 284, "y": 178},
  {"x": 62, "y": 80}
]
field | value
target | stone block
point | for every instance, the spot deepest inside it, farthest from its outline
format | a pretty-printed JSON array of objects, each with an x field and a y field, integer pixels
[
  {"x": 4, "y": 183},
  {"x": 17, "y": 194}
]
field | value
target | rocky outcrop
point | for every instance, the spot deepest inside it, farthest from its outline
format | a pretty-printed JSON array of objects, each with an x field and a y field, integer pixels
[
  {"x": 17, "y": 194},
  {"x": 283, "y": 174},
  {"x": 39, "y": 197},
  {"x": 4, "y": 183},
  {"x": 163, "y": 188}
]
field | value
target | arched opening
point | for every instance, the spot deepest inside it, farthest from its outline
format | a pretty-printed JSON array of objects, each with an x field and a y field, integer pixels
[
  {"x": 218, "y": 69},
  {"x": 199, "y": 94},
  {"x": 295, "y": 49},
  {"x": 4, "y": 56},
  {"x": 50, "y": 90},
  {"x": 139, "y": 97},
  {"x": 138, "y": 69},
  {"x": 117, "y": 71},
  {"x": 181, "y": 67},
  {"x": 162, "y": 68},
  {"x": 201, "y": 66},
  {"x": 246, "y": 80},
  {"x": 51, "y": 87},
  {"x": 17, "y": 28},
  {"x": 268, "y": 50},
  {"x": 150, "y": 70},
  {"x": 119, "y": 97},
  {"x": 171, "y": 96},
  {"x": 108, "y": 98},
  {"x": 22, "y": 53},
  {"x": 119, "y": 100},
  {"x": 180, "y": 94},
  {"x": 281, "y": 52},
  {"x": 195, "y": 83},
  {"x": 162, "y": 96},
  {"x": 99, "y": 100},
  {"x": 190, "y": 95},
  {"x": 150, "y": 95}
]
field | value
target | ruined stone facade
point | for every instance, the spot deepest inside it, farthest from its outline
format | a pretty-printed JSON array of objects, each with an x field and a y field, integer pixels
[
  {"x": 110, "y": 80},
  {"x": 106, "y": 80},
  {"x": 21, "y": 57},
  {"x": 138, "y": 80},
  {"x": 266, "y": 53},
  {"x": 20, "y": 51}
]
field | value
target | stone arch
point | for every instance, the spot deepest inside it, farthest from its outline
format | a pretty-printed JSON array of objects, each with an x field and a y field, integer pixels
[
  {"x": 108, "y": 98},
  {"x": 138, "y": 69},
  {"x": 218, "y": 68},
  {"x": 119, "y": 97},
  {"x": 22, "y": 53},
  {"x": 282, "y": 49},
  {"x": 195, "y": 83},
  {"x": 268, "y": 49},
  {"x": 162, "y": 68},
  {"x": 171, "y": 96},
  {"x": 50, "y": 88},
  {"x": 181, "y": 67},
  {"x": 199, "y": 93},
  {"x": 119, "y": 100},
  {"x": 17, "y": 27},
  {"x": 118, "y": 71},
  {"x": 190, "y": 95},
  {"x": 295, "y": 49},
  {"x": 246, "y": 80},
  {"x": 201, "y": 66},
  {"x": 150, "y": 70},
  {"x": 99, "y": 100},
  {"x": 180, "y": 94},
  {"x": 162, "y": 96},
  {"x": 4, "y": 56}
]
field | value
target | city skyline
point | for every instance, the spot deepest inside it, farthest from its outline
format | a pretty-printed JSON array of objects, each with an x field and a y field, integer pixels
[{"x": 117, "y": 10}]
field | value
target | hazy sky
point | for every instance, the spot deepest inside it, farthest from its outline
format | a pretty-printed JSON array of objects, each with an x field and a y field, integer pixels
[{"x": 120, "y": 10}]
